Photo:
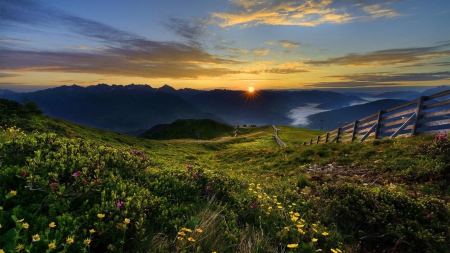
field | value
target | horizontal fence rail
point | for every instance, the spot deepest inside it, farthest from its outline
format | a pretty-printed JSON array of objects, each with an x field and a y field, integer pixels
[{"x": 425, "y": 115}]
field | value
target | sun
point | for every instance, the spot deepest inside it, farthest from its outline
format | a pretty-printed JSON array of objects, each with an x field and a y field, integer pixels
[{"x": 251, "y": 89}]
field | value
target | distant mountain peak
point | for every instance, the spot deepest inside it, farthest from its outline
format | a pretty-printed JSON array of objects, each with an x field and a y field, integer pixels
[{"x": 166, "y": 88}]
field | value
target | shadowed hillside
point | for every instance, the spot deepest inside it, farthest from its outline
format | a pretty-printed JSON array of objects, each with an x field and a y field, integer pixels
[{"x": 202, "y": 129}]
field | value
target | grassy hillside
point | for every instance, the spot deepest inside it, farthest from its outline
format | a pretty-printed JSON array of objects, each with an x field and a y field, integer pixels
[
  {"x": 200, "y": 129},
  {"x": 83, "y": 190}
]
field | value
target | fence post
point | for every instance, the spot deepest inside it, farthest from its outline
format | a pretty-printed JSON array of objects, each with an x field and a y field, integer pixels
[
  {"x": 354, "y": 130},
  {"x": 338, "y": 133},
  {"x": 377, "y": 128},
  {"x": 318, "y": 139},
  {"x": 326, "y": 137},
  {"x": 418, "y": 112},
  {"x": 310, "y": 142}
]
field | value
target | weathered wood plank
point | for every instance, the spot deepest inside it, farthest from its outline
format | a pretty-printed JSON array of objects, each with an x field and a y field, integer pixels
[
  {"x": 442, "y": 103},
  {"x": 393, "y": 123},
  {"x": 350, "y": 130},
  {"x": 438, "y": 95},
  {"x": 401, "y": 106},
  {"x": 368, "y": 133},
  {"x": 399, "y": 114},
  {"x": 435, "y": 123},
  {"x": 369, "y": 117},
  {"x": 370, "y": 123},
  {"x": 392, "y": 130},
  {"x": 435, "y": 114}
]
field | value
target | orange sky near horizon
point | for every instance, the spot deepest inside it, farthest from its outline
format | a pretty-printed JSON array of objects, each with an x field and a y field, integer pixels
[{"x": 319, "y": 44}]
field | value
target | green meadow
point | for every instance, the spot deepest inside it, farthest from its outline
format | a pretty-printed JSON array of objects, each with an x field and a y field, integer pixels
[{"x": 71, "y": 188}]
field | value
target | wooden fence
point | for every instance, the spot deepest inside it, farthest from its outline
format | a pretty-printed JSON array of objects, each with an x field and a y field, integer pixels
[
  {"x": 275, "y": 136},
  {"x": 425, "y": 115}
]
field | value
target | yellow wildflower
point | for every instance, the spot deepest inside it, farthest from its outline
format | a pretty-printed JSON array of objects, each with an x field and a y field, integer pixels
[
  {"x": 25, "y": 225},
  {"x": 179, "y": 238},
  {"x": 191, "y": 239},
  {"x": 325, "y": 233},
  {"x": 296, "y": 214},
  {"x": 52, "y": 225},
  {"x": 52, "y": 245},
  {"x": 286, "y": 228},
  {"x": 314, "y": 240},
  {"x": 280, "y": 207},
  {"x": 292, "y": 246},
  {"x": 21, "y": 220},
  {"x": 182, "y": 233},
  {"x": 314, "y": 225},
  {"x": 101, "y": 215},
  {"x": 69, "y": 240},
  {"x": 0, "y": 227},
  {"x": 110, "y": 247},
  {"x": 13, "y": 193},
  {"x": 315, "y": 230},
  {"x": 20, "y": 247},
  {"x": 334, "y": 251},
  {"x": 186, "y": 230},
  {"x": 301, "y": 231},
  {"x": 36, "y": 238},
  {"x": 92, "y": 231},
  {"x": 199, "y": 230},
  {"x": 87, "y": 241},
  {"x": 291, "y": 212},
  {"x": 338, "y": 250},
  {"x": 2, "y": 251},
  {"x": 300, "y": 225},
  {"x": 294, "y": 219},
  {"x": 127, "y": 221}
]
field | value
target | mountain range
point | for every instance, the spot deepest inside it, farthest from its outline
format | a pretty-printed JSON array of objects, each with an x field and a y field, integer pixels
[{"x": 135, "y": 108}]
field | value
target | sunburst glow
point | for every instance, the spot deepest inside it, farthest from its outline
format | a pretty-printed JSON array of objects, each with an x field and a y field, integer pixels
[{"x": 251, "y": 89}]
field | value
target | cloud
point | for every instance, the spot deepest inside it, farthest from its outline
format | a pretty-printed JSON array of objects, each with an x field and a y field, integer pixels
[
  {"x": 299, "y": 115},
  {"x": 377, "y": 12},
  {"x": 192, "y": 30},
  {"x": 116, "y": 61},
  {"x": 284, "y": 43},
  {"x": 123, "y": 53},
  {"x": 3, "y": 75},
  {"x": 248, "y": 13},
  {"x": 285, "y": 71},
  {"x": 260, "y": 52},
  {"x": 381, "y": 79},
  {"x": 348, "y": 84},
  {"x": 388, "y": 57},
  {"x": 232, "y": 50}
]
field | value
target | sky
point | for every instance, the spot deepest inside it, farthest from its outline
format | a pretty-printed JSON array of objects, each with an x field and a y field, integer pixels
[{"x": 225, "y": 44}]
